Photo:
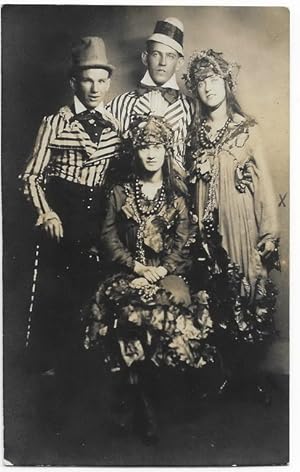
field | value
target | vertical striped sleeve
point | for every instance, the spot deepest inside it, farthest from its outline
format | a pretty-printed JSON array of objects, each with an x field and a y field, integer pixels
[
  {"x": 121, "y": 108},
  {"x": 34, "y": 173},
  {"x": 189, "y": 108}
]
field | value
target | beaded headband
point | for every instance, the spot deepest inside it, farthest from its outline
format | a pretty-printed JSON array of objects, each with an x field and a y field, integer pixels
[
  {"x": 146, "y": 130},
  {"x": 205, "y": 63}
]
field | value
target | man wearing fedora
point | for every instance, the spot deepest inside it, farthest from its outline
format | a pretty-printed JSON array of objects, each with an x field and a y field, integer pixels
[
  {"x": 158, "y": 92},
  {"x": 64, "y": 181}
]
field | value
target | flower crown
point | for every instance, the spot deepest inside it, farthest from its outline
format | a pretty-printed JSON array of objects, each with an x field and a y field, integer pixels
[
  {"x": 146, "y": 130},
  {"x": 204, "y": 63}
]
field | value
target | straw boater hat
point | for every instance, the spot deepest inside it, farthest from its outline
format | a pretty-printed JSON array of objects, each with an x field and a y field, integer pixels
[
  {"x": 169, "y": 32},
  {"x": 89, "y": 52}
]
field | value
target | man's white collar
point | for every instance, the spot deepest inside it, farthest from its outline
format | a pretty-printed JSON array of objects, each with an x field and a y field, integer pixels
[
  {"x": 79, "y": 106},
  {"x": 171, "y": 83}
]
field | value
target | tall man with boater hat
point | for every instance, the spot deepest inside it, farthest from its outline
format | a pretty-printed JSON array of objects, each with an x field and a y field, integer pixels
[
  {"x": 64, "y": 181},
  {"x": 158, "y": 92}
]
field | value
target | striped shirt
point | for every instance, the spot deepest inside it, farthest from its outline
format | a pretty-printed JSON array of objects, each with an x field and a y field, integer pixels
[
  {"x": 63, "y": 149},
  {"x": 178, "y": 115}
]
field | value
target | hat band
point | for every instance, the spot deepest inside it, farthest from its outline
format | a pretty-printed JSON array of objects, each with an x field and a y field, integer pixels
[{"x": 169, "y": 30}]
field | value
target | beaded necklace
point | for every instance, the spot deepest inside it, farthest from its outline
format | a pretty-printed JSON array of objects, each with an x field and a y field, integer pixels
[
  {"x": 142, "y": 216},
  {"x": 138, "y": 199},
  {"x": 205, "y": 141}
]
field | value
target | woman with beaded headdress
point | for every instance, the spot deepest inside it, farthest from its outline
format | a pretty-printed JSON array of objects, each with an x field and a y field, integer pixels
[
  {"x": 143, "y": 316},
  {"x": 235, "y": 207}
]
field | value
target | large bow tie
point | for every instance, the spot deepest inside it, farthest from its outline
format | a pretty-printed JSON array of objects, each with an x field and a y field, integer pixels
[
  {"x": 91, "y": 116},
  {"x": 93, "y": 123},
  {"x": 169, "y": 94}
]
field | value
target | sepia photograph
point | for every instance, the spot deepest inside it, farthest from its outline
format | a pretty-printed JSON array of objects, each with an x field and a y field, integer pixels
[{"x": 145, "y": 218}]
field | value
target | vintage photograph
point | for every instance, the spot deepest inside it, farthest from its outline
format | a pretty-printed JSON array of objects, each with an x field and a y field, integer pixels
[{"x": 145, "y": 203}]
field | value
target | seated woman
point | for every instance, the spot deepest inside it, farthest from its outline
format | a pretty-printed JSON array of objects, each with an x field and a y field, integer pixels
[{"x": 143, "y": 315}]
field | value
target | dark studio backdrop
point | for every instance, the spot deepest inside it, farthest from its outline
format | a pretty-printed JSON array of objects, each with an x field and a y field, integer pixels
[{"x": 36, "y": 42}]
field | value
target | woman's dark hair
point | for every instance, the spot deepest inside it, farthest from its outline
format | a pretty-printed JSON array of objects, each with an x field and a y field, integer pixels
[
  {"x": 174, "y": 185},
  {"x": 128, "y": 167}
]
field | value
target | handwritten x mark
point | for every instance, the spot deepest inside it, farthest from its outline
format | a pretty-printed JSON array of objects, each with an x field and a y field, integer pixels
[{"x": 282, "y": 199}]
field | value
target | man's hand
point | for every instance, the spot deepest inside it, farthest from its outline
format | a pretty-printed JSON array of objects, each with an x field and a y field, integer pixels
[
  {"x": 54, "y": 228},
  {"x": 265, "y": 248}
]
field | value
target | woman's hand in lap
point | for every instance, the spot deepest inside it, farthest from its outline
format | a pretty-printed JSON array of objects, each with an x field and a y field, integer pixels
[
  {"x": 139, "y": 282},
  {"x": 139, "y": 268},
  {"x": 162, "y": 271},
  {"x": 154, "y": 274},
  {"x": 150, "y": 273}
]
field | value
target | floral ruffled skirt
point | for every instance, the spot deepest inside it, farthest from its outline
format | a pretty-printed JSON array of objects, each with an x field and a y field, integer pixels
[
  {"x": 131, "y": 324},
  {"x": 154, "y": 322},
  {"x": 244, "y": 322},
  {"x": 240, "y": 318}
]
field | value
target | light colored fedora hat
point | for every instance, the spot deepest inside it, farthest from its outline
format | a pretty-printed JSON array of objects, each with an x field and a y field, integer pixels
[{"x": 89, "y": 52}]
